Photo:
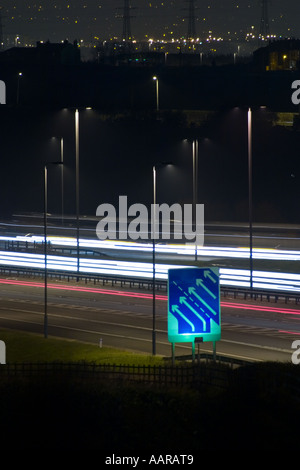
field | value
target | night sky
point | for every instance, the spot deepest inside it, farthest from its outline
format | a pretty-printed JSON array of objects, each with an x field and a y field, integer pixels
[
  {"x": 88, "y": 19},
  {"x": 111, "y": 162}
]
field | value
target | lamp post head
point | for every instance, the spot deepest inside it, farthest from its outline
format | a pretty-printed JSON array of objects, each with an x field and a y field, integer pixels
[
  {"x": 53, "y": 163},
  {"x": 162, "y": 164}
]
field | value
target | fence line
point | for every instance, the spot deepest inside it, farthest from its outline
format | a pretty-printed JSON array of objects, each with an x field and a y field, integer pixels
[
  {"x": 203, "y": 376},
  {"x": 188, "y": 375}
]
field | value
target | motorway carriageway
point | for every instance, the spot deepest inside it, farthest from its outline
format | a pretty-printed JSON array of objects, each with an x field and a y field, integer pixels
[
  {"x": 142, "y": 295},
  {"x": 275, "y": 281},
  {"x": 250, "y": 331}
]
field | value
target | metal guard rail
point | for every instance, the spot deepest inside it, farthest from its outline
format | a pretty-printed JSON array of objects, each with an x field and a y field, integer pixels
[{"x": 160, "y": 284}]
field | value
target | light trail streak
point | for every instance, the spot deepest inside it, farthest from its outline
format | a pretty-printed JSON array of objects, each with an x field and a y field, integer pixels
[
  {"x": 289, "y": 332},
  {"x": 261, "y": 308},
  {"x": 175, "y": 249},
  {"x": 141, "y": 295},
  {"x": 276, "y": 281},
  {"x": 144, "y": 270}
]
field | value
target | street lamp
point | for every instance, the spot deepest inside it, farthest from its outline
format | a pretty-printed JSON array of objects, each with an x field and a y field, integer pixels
[
  {"x": 77, "y": 184},
  {"x": 153, "y": 262},
  {"x": 62, "y": 178},
  {"x": 154, "y": 233},
  {"x": 195, "y": 187},
  {"x": 157, "y": 92},
  {"x": 45, "y": 244},
  {"x": 195, "y": 152},
  {"x": 18, "y": 86},
  {"x": 250, "y": 193},
  {"x": 77, "y": 181}
]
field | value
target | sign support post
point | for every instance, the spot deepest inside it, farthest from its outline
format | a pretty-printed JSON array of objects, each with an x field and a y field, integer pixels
[
  {"x": 215, "y": 350},
  {"x": 173, "y": 354}
]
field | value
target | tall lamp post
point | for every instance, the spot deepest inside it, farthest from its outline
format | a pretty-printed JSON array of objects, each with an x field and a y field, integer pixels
[
  {"x": 195, "y": 187},
  {"x": 153, "y": 263},
  {"x": 62, "y": 177},
  {"x": 250, "y": 194},
  {"x": 157, "y": 92},
  {"x": 18, "y": 86},
  {"x": 45, "y": 244},
  {"x": 77, "y": 184},
  {"x": 154, "y": 233}
]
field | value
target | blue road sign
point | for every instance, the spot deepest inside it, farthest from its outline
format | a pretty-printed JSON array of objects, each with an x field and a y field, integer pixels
[{"x": 194, "y": 305}]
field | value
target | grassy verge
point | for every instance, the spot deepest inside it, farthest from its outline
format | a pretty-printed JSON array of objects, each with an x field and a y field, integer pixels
[{"x": 29, "y": 347}]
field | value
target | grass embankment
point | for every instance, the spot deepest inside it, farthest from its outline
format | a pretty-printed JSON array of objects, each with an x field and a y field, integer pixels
[
  {"x": 28, "y": 347},
  {"x": 257, "y": 411}
]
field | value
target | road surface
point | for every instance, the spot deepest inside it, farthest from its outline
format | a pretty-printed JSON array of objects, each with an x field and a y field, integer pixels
[{"x": 123, "y": 318}]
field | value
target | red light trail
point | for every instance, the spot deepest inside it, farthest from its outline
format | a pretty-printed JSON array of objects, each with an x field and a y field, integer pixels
[
  {"x": 139, "y": 295},
  {"x": 261, "y": 308},
  {"x": 82, "y": 289}
]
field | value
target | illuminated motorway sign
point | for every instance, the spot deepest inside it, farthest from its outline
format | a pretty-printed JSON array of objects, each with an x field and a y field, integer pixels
[{"x": 194, "y": 305}]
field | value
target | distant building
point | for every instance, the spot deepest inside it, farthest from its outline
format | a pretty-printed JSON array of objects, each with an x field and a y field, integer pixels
[
  {"x": 278, "y": 55},
  {"x": 48, "y": 53}
]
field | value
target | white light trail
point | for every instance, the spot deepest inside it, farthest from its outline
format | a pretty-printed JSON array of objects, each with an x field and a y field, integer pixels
[
  {"x": 144, "y": 270},
  {"x": 175, "y": 249}
]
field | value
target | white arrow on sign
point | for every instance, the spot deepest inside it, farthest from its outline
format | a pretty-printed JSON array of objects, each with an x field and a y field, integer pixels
[
  {"x": 182, "y": 300},
  {"x": 193, "y": 291},
  {"x": 200, "y": 282},
  {"x": 207, "y": 273},
  {"x": 175, "y": 308}
]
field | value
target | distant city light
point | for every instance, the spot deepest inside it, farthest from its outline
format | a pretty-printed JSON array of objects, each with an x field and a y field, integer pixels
[{"x": 164, "y": 22}]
